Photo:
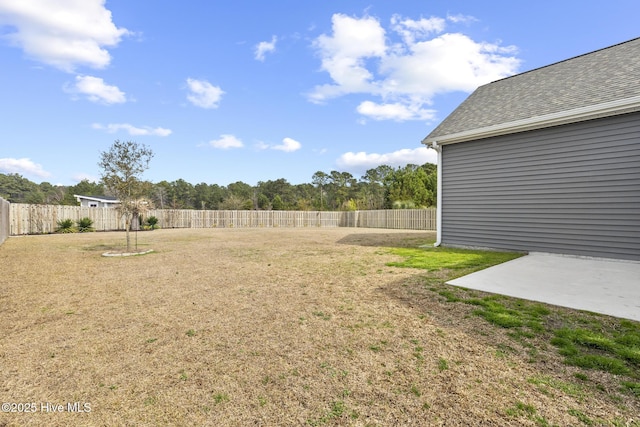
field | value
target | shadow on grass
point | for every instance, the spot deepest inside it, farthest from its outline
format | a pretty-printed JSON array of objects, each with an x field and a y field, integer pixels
[{"x": 390, "y": 240}]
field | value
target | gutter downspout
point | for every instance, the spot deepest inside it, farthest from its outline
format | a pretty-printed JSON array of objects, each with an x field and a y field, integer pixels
[{"x": 438, "y": 148}]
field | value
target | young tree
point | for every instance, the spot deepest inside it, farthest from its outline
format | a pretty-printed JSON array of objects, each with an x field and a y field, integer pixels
[
  {"x": 373, "y": 186},
  {"x": 411, "y": 185},
  {"x": 341, "y": 183},
  {"x": 320, "y": 179},
  {"x": 122, "y": 165}
]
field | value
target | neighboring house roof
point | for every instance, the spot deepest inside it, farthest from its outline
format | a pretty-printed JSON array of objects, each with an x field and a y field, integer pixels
[
  {"x": 598, "y": 84},
  {"x": 103, "y": 199}
]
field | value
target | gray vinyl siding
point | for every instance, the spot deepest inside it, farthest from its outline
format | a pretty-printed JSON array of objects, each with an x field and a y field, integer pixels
[{"x": 571, "y": 189}]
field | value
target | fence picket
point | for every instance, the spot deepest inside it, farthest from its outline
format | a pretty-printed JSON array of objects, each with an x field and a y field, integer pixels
[{"x": 37, "y": 219}]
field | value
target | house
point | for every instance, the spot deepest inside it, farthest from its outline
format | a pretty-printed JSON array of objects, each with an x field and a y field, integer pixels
[
  {"x": 547, "y": 160},
  {"x": 97, "y": 201}
]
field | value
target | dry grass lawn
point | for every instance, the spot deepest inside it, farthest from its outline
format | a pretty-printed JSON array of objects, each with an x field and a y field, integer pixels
[{"x": 238, "y": 327}]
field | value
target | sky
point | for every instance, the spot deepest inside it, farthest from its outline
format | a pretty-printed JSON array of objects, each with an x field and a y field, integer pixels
[{"x": 261, "y": 90}]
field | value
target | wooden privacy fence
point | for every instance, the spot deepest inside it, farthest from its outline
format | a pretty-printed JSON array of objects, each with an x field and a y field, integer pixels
[
  {"x": 185, "y": 218},
  {"x": 4, "y": 220},
  {"x": 37, "y": 219}
]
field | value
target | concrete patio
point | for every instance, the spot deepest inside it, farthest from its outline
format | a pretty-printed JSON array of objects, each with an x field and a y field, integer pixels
[{"x": 600, "y": 285}]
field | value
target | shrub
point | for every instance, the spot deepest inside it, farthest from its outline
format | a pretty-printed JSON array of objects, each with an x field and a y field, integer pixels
[
  {"x": 65, "y": 226},
  {"x": 404, "y": 204},
  {"x": 152, "y": 222},
  {"x": 85, "y": 224},
  {"x": 350, "y": 205}
]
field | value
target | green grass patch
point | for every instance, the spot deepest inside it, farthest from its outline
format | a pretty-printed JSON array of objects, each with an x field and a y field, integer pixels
[
  {"x": 521, "y": 409},
  {"x": 581, "y": 417},
  {"x": 219, "y": 398},
  {"x": 322, "y": 315},
  {"x": 631, "y": 386},
  {"x": 585, "y": 340},
  {"x": 511, "y": 313},
  {"x": 612, "y": 350},
  {"x": 449, "y": 296},
  {"x": 524, "y": 410},
  {"x": 501, "y": 317},
  {"x": 434, "y": 259},
  {"x": 415, "y": 390},
  {"x": 337, "y": 408},
  {"x": 581, "y": 376},
  {"x": 545, "y": 383}
]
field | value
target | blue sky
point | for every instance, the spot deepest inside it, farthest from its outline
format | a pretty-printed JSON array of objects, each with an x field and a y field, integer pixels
[{"x": 260, "y": 90}]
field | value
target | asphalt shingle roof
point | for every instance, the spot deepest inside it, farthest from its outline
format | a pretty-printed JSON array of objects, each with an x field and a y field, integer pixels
[{"x": 609, "y": 74}]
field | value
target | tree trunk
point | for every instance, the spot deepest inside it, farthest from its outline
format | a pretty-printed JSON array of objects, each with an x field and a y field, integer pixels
[{"x": 127, "y": 226}]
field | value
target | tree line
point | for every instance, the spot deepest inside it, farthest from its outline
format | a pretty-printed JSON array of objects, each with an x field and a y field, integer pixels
[{"x": 384, "y": 187}]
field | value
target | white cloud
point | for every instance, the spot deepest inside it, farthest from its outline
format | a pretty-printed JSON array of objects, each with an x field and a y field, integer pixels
[
  {"x": 362, "y": 161},
  {"x": 261, "y": 145},
  {"x": 448, "y": 63},
  {"x": 204, "y": 94},
  {"x": 406, "y": 66},
  {"x": 344, "y": 53},
  {"x": 132, "y": 130},
  {"x": 96, "y": 90},
  {"x": 465, "y": 19},
  {"x": 263, "y": 48},
  {"x": 288, "y": 145},
  {"x": 226, "y": 142},
  {"x": 410, "y": 30},
  {"x": 63, "y": 33},
  {"x": 23, "y": 166}
]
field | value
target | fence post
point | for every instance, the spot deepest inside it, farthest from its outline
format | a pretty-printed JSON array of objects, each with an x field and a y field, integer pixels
[{"x": 4, "y": 220}]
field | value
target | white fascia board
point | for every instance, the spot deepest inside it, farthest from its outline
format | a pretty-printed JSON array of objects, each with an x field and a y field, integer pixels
[
  {"x": 605, "y": 109},
  {"x": 95, "y": 199}
]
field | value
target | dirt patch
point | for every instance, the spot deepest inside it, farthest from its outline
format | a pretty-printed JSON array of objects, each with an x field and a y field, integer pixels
[
  {"x": 121, "y": 253},
  {"x": 260, "y": 327}
]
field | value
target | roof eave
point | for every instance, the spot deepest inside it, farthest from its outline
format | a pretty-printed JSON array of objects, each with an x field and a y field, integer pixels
[{"x": 605, "y": 109}]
